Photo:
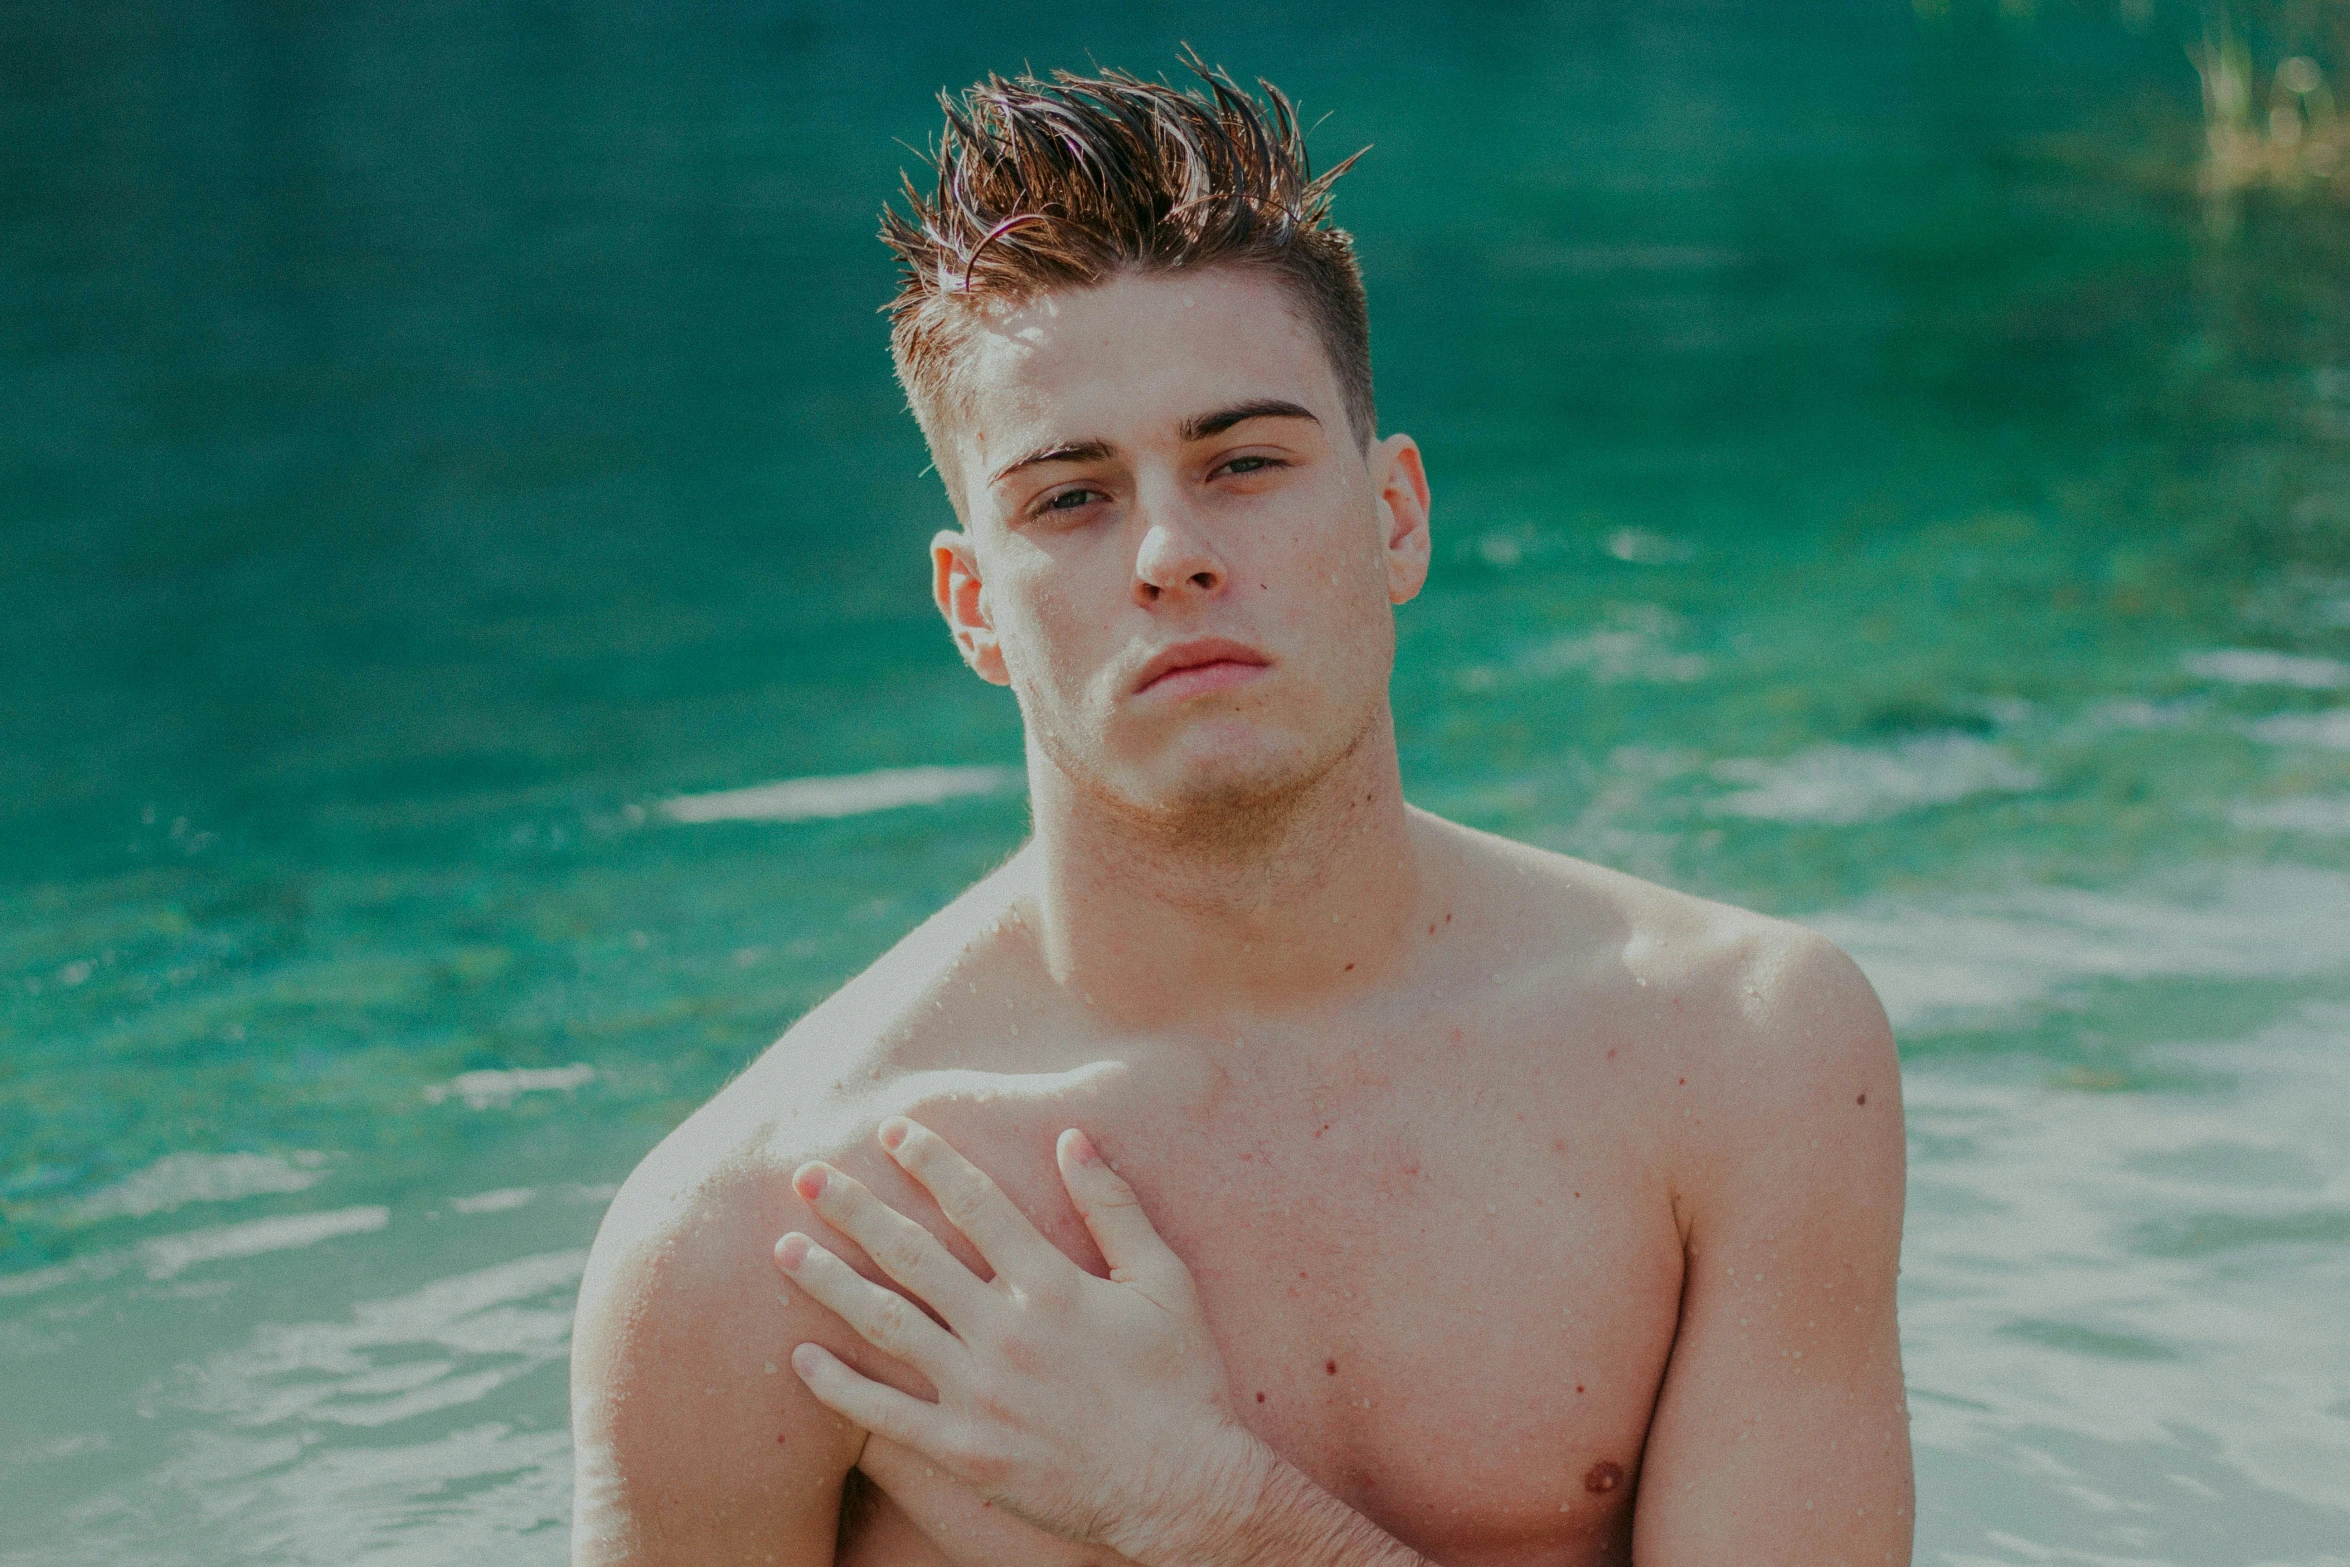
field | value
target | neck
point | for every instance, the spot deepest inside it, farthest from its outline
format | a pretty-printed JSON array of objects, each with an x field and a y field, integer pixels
[{"x": 1162, "y": 919}]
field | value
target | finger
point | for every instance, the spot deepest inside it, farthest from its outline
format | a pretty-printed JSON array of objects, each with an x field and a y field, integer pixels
[
  {"x": 884, "y": 1411},
  {"x": 882, "y": 1318},
  {"x": 972, "y": 1202},
  {"x": 1128, "y": 1241},
  {"x": 901, "y": 1248}
]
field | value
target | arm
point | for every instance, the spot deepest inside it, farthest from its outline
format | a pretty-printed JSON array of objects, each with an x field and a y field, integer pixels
[
  {"x": 1782, "y": 1433},
  {"x": 1097, "y": 1409},
  {"x": 694, "y": 1446}
]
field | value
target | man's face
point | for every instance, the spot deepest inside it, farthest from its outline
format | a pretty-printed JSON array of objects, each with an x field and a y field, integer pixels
[{"x": 1176, "y": 554}]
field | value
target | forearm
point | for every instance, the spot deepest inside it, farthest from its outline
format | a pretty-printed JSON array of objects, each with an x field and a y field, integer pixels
[{"x": 1275, "y": 1517}]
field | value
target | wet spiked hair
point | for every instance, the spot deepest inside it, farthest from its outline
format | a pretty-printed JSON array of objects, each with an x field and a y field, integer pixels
[{"x": 1064, "y": 184}]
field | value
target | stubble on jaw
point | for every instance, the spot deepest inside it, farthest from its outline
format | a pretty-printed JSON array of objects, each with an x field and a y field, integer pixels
[{"x": 1235, "y": 827}]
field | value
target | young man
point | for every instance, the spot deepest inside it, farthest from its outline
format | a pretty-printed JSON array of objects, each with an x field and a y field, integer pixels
[{"x": 1514, "y": 1210}]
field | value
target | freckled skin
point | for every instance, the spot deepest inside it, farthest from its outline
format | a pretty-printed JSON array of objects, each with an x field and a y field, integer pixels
[{"x": 1340, "y": 1162}]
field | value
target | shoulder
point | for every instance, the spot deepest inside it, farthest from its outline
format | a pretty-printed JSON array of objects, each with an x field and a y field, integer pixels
[
  {"x": 1771, "y": 1041},
  {"x": 692, "y": 1437},
  {"x": 1786, "y": 983},
  {"x": 1609, "y": 915},
  {"x": 691, "y": 1432},
  {"x": 1789, "y": 1081}
]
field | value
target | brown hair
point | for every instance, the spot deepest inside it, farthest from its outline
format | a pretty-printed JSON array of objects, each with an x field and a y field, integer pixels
[{"x": 1064, "y": 184}]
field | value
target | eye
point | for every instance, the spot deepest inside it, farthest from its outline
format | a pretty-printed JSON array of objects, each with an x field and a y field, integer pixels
[
  {"x": 1251, "y": 464},
  {"x": 1070, "y": 500}
]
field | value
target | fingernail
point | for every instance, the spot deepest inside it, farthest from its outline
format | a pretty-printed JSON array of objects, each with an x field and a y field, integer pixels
[
  {"x": 810, "y": 1181},
  {"x": 804, "y": 1360},
  {"x": 791, "y": 1251},
  {"x": 893, "y": 1132},
  {"x": 1081, "y": 1148}
]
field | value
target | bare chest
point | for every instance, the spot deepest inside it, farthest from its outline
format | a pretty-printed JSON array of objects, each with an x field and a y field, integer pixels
[
  {"x": 1453, "y": 1312},
  {"x": 1460, "y": 1330}
]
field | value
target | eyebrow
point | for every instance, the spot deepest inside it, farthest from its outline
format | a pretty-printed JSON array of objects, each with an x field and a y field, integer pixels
[
  {"x": 1205, "y": 425},
  {"x": 1197, "y": 428},
  {"x": 1059, "y": 451}
]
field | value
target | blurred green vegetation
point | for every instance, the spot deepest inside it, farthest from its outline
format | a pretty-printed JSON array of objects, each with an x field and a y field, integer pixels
[
  {"x": 2273, "y": 117},
  {"x": 2272, "y": 114}
]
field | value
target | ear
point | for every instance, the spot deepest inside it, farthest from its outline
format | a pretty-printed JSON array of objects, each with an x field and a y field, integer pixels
[
  {"x": 1403, "y": 510},
  {"x": 962, "y": 599}
]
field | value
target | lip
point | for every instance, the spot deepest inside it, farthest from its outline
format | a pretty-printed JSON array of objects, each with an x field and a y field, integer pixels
[{"x": 1205, "y": 664}]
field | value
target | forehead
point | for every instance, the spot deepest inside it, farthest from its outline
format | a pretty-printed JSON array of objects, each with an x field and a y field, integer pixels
[{"x": 1128, "y": 360}]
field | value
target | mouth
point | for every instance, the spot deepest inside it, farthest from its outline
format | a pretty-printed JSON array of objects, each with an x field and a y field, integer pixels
[{"x": 1196, "y": 668}]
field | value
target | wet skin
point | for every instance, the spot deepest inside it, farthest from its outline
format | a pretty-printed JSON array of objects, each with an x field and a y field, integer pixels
[
  {"x": 1318, "y": 1194},
  {"x": 1538, "y": 1214},
  {"x": 1444, "y": 1230}
]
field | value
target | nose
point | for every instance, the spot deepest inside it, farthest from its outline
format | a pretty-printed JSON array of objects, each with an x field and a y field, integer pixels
[{"x": 1174, "y": 557}]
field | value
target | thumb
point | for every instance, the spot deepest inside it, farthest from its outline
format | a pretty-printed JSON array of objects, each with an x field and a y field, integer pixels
[{"x": 1111, "y": 1211}]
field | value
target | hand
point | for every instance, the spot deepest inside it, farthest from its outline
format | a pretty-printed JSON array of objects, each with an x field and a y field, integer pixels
[{"x": 1097, "y": 1409}]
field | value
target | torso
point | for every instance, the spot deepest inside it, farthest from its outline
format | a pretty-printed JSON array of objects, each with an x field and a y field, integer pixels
[
  {"x": 1435, "y": 1223},
  {"x": 1439, "y": 1220}
]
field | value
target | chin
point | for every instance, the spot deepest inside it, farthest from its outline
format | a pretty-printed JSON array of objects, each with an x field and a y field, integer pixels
[
  {"x": 1229, "y": 790},
  {"x": 1221, "y": 778},
  {"x": 1216, "y": 775}
]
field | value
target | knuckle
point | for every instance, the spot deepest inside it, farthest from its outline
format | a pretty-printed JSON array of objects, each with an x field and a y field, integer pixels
[
  {"x": 994, "y": 1409},
  {"x": 965, "y": 1203},
  {"x": 889, "y": 1318},
  {"x": 1025, "y": 1355},
  {"x": 1052, "y": 1295},
  {"x": 902, "y": 1253}
]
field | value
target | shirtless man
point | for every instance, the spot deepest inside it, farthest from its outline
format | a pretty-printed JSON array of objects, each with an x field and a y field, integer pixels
[{"x": 1514, "y": 1211}]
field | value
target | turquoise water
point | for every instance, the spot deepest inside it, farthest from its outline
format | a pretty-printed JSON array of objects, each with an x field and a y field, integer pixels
[{"x": 1868, "y": 489}]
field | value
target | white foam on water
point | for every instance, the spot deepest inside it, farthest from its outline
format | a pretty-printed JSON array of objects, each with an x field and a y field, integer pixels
[
  {"x": 495, "y": 1090},
  {"x": 169, "y": 1256},
  {"x": 503, "y": 1200},
  {"x": 2121, "y": 1312},
  {"x": 1932, "y": 961},
  {"x": 459, "y": 1488},
  {"x": 846, "y": 794},
  {"x": 2319, "y": 815},
  {"x": 2329, "y": 730},
  {"x": 493, "y": 1492},
  {"x": 1841, "y": 784},
  {"x": 176, "y": 1180},
  {"x": 374, "y": 1434},
  {"x": 2260, "y": 667},
  {"x": 446, "y": 1343},
  {"x": 1643, "y": 548},
  {"x": 1632, "y": 644},
  {"x": 2120, "y": 1309}
]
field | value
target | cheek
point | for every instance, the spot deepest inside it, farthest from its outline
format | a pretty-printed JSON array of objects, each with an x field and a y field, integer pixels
[
  {"x": 1343, "y": 613},
  {"x": 1048, "y": 637},
  {"x": 1330, "y": 581}
]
